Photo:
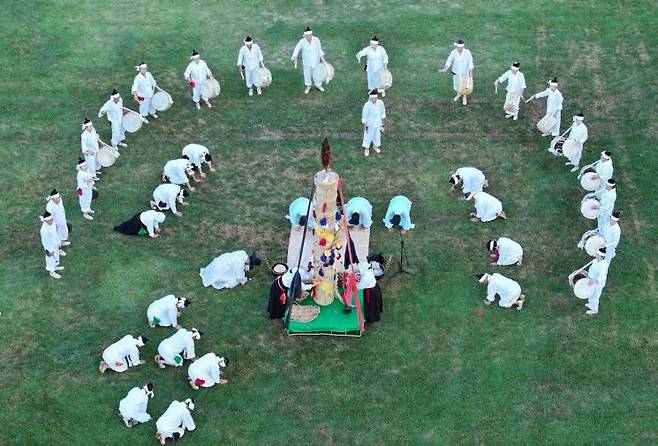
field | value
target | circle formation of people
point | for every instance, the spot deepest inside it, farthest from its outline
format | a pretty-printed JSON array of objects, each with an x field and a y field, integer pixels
[{"x": 206, "y": 371}]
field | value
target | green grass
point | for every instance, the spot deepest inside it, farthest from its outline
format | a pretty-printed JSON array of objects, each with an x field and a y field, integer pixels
[{"x": 440, "y": 368}]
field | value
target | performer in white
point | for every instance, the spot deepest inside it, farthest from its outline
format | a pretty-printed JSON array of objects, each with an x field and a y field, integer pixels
[
  {"x": 554, "y": 102},
  {"x": 373, "y": 118},
  {"x": 113, "y": 108},
  {"x": 607, "y": 197},
  {"x": 250, "y": 57},
  {"x": 508, "y": 290},
  {"x": 164, "y": 312},
  {"x": 228, "y": 270},
  {"x": 198, "y": 154},
  {"x": 603, "y": 168},
  {"x": 312, "y": 56},
  {"x": 89, "y": 145},
  {"x": 133, "y": 407},
  {"x": 487, "y": 207},
  {"x": 197, "y": 74},
  {"x": 358, "y": 212},
  {"x": 177, "y": 172},
  {"x": 51, "y": 245},
  {"x": 376, "y": 64},
  {"x": 55, "y": 207},
  {"x": 297, "y": 214},
  {"x": 578, "y": 133},
  {"x": 143, "y": 90},
  {"x": 399, "y": 213},
  {"x": 165, "y": 197},
  {"x": 122, "y": 354},
  {"x": 472, "y": 179},
  {"x": 151, "y": 220},
  {"x": 85, "y": 184},
  {"x": 205, "y": 371},
  {"x": 177, "y": 347},
  {"x": 505, "y": 251},
  {"x": 515, "y": 88},
  {"x": 460, "y": 63},
  {"x": 598, "y": 274},
  {"x": 611, "y": 233},
  {"x": 175, "y": 421}
]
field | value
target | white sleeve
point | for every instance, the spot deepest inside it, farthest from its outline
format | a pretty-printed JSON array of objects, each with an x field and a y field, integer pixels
[
  {"x": 150, "y": 227},
  {"x": 470, "y": 61},
  {"x": 295, "y": 52},
  {"x": 364, "y": 113},
  {"x": 449, "y": 60},
  {"x": 188, "y": 70},
  {"x": 188, "y": 422},
  {"x": 320, "y": 48},
  {"x": 240, "y": 57},
  {"x": 361, "y": 53},
  {"x": 260, "y": 55},
  {"x": 491, "y": 292},
  {"x": 383, "y": 111},
  {"x": 133, "y": 90},
  {"x": 385, "y": 58},
  {"x": 208, "y": 72},
  {"x": 542, "y": 94}
]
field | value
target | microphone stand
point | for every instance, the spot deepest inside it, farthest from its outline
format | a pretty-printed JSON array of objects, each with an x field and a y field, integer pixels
[{"x": 403, "y": 256}]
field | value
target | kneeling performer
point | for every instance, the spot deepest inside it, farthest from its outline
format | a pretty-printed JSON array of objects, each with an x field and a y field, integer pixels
[
  {"x": 177, "y": 347},
  {"x": 147, "y": 222},
  {"x": 472, "y": 179},
  {"x": 175, "y": 421},
  {"x": 164, "y": 312},
  {"x": 205, "y": 371},
  {"x": 165, "y": 197},
  {"x": 487, "y": 207},
  {"x": 508, "y": 290},
  {"x": 399, "y": 213},
  {"x": 505, "y": 251},
  {"x": 122, "y": 354},
  {"x": 133, "y": 407},
  {"x": 358, "y": 212}
]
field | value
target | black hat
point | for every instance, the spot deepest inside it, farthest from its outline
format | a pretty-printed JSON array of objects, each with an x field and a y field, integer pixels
[
  {"x": 248, "y": 39},
  {"x": 194, "y": 53},
  {"x": 612, "y": 183},
  {"x": 460, "y": 42},
  {"x": 185, "y": 193},
  {"x": 516, "y": 64},
  {"x": 149, "y": 387},
  {"x": 187, "y": 302},
  {"x": 185, "y": 157},
  {"x": 86, "y": 121},
  {"x": 144, "y": 340},
  {"x": 395, "y": 220},
  {"x": 81, "y": 160},
  {"x": 375, "y": 39},
  {"x": 308, "y": 28},
  {"x": 354, "y": 220},
  {"x": 114, "y": 92},
  {"x": 46, "y": 214},
  {"x": 53, "y": 192},
  {"x": 253, "y": 260},
  {"x": 207, "y": 157},
  {"x": 373, "y": 92},
  {"x": 491, "y": 245}
]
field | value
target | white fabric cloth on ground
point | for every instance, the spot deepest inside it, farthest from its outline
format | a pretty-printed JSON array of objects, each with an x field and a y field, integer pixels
[
  {"x": 134, "y": 405},
  {"x": 226, "y": 271},
  {"x": 508, "y": 290}
]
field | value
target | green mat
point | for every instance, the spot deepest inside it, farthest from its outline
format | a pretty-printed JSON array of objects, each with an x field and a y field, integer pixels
[{"x": 330, "y": 321}]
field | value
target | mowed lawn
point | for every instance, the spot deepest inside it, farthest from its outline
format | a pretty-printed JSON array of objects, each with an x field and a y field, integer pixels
[{"x": 440, "y": 368}]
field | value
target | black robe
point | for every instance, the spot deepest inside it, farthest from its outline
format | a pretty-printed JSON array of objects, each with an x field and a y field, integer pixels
[
  {"x": 132, "y": 226},
  {"x": 373, "y": 303},
  {"x": 355, "y": 258},
  {"x": 275, "y": 306}
]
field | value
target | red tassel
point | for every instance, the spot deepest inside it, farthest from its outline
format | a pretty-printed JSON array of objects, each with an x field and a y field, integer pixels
[
  {"x": 282, "y": 298},
  {"x": 192, "y": 83},
  {"x": 199, "y": 382},
  {"x": 78, "y": 191},
  {"x": 324, "y": 208}
]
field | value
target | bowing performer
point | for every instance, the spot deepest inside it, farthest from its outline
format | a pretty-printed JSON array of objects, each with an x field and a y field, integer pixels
[
  {"x": 177, "y": 347},
  {"x": 228, "y": 270},
  {"x": 206, "y": 371},
  {"x": 164, "y": 312},
  {"x": 198, "y": 154},
  {"x": 472, "y": 179},
  {"x": 297, "y": 214},
  {"x": 515, "y": 88},
  {"x": 114, "y": 109},
  {"x": 55, "y": 207},
  {"x": 197, "y": 75},
  {"x": 133, "y": 407},
  {"x": 143, "y": 90},
  {"x": 358, "y": 212},
  {"x": 399, "y": 213},
  {"x": 505, "y": 251},
  {"x": 312, "y": 56},
  {"x": 603, "y": 169},
  {"x": 460, "y": 63},
  {"x": 165, "y": 197},
  {"x": 554, "y": 102},
  {"x": 85, "y": 189},
  {"x": 177, "y": 172},
  {"x": 89, "y": 145},
  {"x": 508, "y": 290},
  {"x": 376, "y": 64},
  {"x": 123, "y": 354},
  {"x": 175, "y": 421},
  {"x": 51, "y": 243},
  {"x": 373, "y": 119},
  {"x": 250, "y": 57},
  {"x": 143, "y": 223},
  {"x": 487, "y": 207}
]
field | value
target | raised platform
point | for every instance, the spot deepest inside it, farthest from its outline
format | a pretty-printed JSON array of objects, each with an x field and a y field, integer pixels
[{"x": 330, "y": 322}]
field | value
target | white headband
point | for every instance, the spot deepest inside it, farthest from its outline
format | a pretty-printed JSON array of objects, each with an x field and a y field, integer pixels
[
  {"x": 79, "y": 166},
  {"x": 189, "y": 403},
  {"x": 455, "y": 178},
  {"x": 50, "y": 197},
  {"x": 604, "y": 156},
  {"x": 248, "y": 42},
  {"x": 196, "y": 56},
  {"x": 114, "y": 96},
  {"x": 308, "y": 33},
  {"x": 483, "y": 278},
  {"x": 374, "y": 42},
  {"x": 137, "y": 67},
  {"x": 513, "y": 68},
  {"x": 459, "y": 45},
  {"x": 578, "y": 118},
  {"x": 552, "y": 84},
  {"x": 140, "y": 341},
  {"x": 374, "y": 95},
  {"x": 613, "y": 218}
]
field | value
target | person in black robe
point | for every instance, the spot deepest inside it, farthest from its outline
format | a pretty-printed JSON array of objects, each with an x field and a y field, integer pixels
[
  {"x": 134, "y": 226},
  {"x": 355, "y": 258},
  {"x": 372, "y": 297},
  {"x": 276, "y": 304}
]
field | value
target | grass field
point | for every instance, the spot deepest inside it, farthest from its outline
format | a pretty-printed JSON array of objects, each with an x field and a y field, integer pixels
[{"x": 440, "y": 368}]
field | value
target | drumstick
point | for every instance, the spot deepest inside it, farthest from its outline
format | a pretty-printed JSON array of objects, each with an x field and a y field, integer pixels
[{"x": 495, "y": 88}]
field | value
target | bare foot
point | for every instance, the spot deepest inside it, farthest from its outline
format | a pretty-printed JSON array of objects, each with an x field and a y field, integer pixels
[
  {"x": 178, "y": 214},
  {"x": 223, "y": 381}
]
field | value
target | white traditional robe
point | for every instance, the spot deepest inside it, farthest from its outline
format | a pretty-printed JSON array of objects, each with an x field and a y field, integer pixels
[
  {"x": 604, "y": 170},
  {"x": 553, "y": 107},
  {"x": 134, "y": 405},
  {"x": 151, "y": 219},
  {"x": 176, "y": 171},
  {"x": 114, "y": 113},
  {"x": 515, "y": 86},
  {"x": 508, "y": 290},
  {"x": 598, "y": 271},
  {"x": 168, "y": 194},
  {"x": 51, "y": 243},
  {"x": 297, "y": 209},
  {"x": 144, "y": 87},
  {"x": 250, "y": 59},
  {"x": 311, "y": 56},
  {"x": 473, "y": 179},
  {"x": 226, "y": 271},
  {"x": 89, "y": 147},
  {"x": 509, "y": 251},
  {"x": 362, "y": 207},
  {"x": 373, "y": 116},
  {"x": 163, "y": 312},
  {"x": 85, "y": 182},
  {"x": 459, "y": 64},
  {"x": 579, "y": 134},
  {"x": 196, "y": 153},
  {"x": 205, "y": 368},
  {"x": 179, "y": 344},
  {"x": 399, "y": 205},
  {"x": 199, "y": 73},
  {"x": 607, "y": 199},
  {"x": 177, "y": 418},
  {"x": 487, "y": 207},
  {"x": 611, "y": 233},
  {"x": 377, "y": 60},
  {"x": 59, "y": 217},
  {"x": 122, "y": 354}
]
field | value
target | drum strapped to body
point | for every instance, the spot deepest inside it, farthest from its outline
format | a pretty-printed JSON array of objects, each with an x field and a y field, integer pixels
[
  {"x": 589, "y": 180},
  {"x": 557, "y": 143},
  {"x": 106, "y": 156},
  {"x": 210, "y": 89},
  {"x": 546, "y": 123},
  {"x": 583, "y": 289},
  {"x": 162, "y": 101},
  {"x": 465, "y": 85},
  {"x": 385, "y": 80},
  {"x": 590, "y": 208},
  {"x": 131, "y": 121},
  {"x": 570, "y": 148},
  {"x": 593, "y": 244},
  {"x": 261, "y": 77},
  {"x": 323, "y": 72}
]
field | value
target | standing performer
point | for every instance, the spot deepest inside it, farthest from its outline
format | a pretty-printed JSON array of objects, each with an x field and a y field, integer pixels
[
  {"x": 312, "y": 55},
  {"x": 554, "y": 101},
  {"x": 358, "y": 211},
  {"x": 85, "y": 183},
  {"x": 373, "y": 118},
  {"x": 603, "y": 168},
  {"x": 51, "y": 245},
  {"x": 175, "y": 421},
  {"x": 297, "y": 214},
  {"x": 597, "y": 274},
  {"x": 177, "y": 347},
  {"x": 460, "y": 63},
  {"x": 143, "y": 90},
  {"x": 515, "y": 88},
  {"x": 249, "y": 58},
  {"x": 508, "y": 290},
  {"x": 276, "y": 303},
  {"x": 607, "y": 198},
  {"x": 197, "y": 74},
  {"x": 376, "y": 64},
  {"x": 176, "y": 172},
  {"x": 472, "y": 179},
  {"x": 113, "y": 108},
  {"x": 578, "y": 133},
  {"x": 143, "y": 223},
  {"x": 122, "y": 354},
  {"x": 505, "y": 251},
  {"x": 399, "y": 213},
  {"x": 164, "y": 312},
  {"x": 372, "y": 293},
  {"x": 89, "y": 145},
  {"x": 198, "y": 154},
  {"x": 611, "y": 233},
  {"x": 133, "y": 407},
  {"x": 487, "y": 207},
  {"x": 165, "y": 197},
  {"x": 205, "y": 371},
  {"x": 55, "y": 207}
]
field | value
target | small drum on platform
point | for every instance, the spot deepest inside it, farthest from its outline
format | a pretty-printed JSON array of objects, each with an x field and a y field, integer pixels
[
  {"x": 546, "y": 123},
  {"x": 593, "y": 244},
  {"x": 279, "y": 269},
  {"x": 131, "y": 121},
  {"x": 385, "y": 79},
  {"x": 465, "y": 85},
  {"x": 106, "y": 156},
  {"x": 323, "y": 72},
  {"x": 583, "y": 289},
  {"x": 162, "y": 101},
  {"x": 569, "y": 148},
  {"x": 262, "y": 77},
  {"x": 590, "y": 208},
  {"x": 589, "y": 180}
]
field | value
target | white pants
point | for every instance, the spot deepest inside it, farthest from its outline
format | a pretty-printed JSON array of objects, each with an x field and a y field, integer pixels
[
  {"x": 602, "y": 220},
  {"x": 374, "y": 80},
  {"x": 308, "y": 77},
  {"x": 91, "y": 163},
  {"x": 146, "y": 107},
  {"x": 248, "y": 77},
  {"x": 593, "y": 301},
  {"x": 610, "y": 253},
  {"x": 118, "y": 134},
  {"x": 575, "y": 160},
  {"x": 555, "y": 130},
  {"x": 85, "y": 199},
  {"x": 196, "y": 94},
  {"x": 515, "y": 98},
  {"x": 52, "y": 261},
  {"x": 372, "y": 135}
]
